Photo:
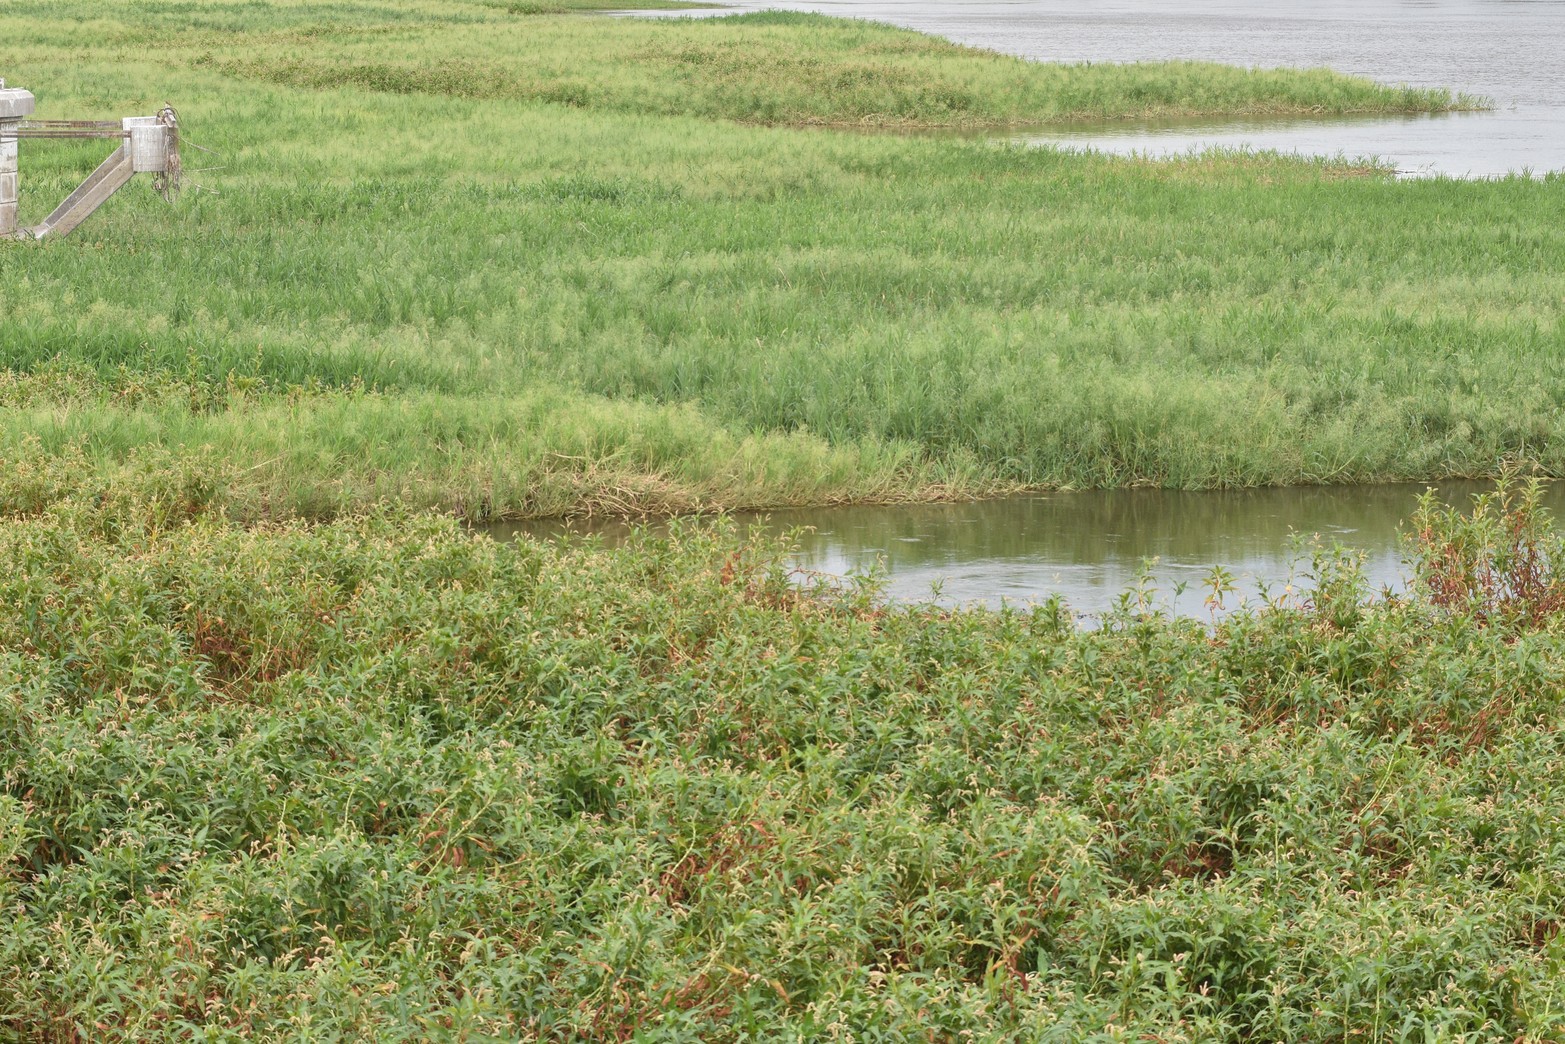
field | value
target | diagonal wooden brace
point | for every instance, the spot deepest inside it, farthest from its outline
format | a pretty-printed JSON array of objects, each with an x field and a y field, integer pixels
[{"x": 109, "y": 178}]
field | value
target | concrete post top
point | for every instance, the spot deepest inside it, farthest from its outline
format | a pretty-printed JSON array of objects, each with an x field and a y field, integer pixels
[{"x": 15, "y": 103}]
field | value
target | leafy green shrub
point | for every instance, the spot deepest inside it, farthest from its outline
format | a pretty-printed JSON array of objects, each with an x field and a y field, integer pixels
[
  {"x": 382, "y": 778},
  {"x": 1503, "y": 562}
]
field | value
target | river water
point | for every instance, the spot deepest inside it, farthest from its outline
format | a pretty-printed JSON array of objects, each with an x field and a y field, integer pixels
[
  {"x": 1510, "y": 51},
  {"x": 1091, "y": 547}
]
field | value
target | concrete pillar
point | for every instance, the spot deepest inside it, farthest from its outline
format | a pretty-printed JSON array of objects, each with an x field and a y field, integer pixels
[{"x": 14, "y": 104}]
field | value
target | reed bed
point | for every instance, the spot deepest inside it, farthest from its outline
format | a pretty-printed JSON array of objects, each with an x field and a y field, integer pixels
[{"x": 446, "y": 288}]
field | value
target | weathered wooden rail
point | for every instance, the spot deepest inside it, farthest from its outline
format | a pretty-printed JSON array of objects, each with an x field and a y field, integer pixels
[{"x": 147, "y": 144}]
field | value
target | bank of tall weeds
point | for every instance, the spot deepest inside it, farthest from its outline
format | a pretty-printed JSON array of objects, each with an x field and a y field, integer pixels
[
  {"x": 415, "y": 272},
  {"x": 382, "y": 779}
]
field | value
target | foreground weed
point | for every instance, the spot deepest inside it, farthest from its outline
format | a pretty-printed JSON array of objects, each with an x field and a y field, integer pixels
[
  {"x": 384, "y": 779},
  {"x": 1501, "y": 562}
]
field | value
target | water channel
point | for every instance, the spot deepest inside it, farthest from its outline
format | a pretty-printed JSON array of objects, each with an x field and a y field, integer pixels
[
  {"x": 1510, "y": 51},
  {"x": 1091, "y": 547}
]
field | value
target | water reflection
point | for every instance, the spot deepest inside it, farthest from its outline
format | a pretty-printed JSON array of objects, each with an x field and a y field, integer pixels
[{"x": 1089, "y": 547}]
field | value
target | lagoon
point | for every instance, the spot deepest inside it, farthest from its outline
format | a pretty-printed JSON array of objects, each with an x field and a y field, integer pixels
[{"x": 1506, "y": 50}]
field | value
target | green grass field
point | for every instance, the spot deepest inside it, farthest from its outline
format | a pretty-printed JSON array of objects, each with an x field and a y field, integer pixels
[
  {"x": 288, "y": 753},
  {"x": 420, "y": 274}
]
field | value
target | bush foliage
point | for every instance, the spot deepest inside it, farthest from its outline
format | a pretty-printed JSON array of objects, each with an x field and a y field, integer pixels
[{"x": 384, "y": 779}]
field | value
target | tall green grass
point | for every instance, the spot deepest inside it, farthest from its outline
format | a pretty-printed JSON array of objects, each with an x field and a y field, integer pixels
[
  {"x": 383, "y": 780},
  {"x": 550, "y": 7},
  {"x": 380, "y": 287},
  {"x": 783, "y": 68}
]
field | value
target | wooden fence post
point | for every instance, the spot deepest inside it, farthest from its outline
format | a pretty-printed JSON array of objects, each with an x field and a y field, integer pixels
[{"x": 14, "y": 104}]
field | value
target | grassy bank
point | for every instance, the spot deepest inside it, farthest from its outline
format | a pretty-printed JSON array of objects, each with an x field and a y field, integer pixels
[
  {"x": 439, "y": 284},
  {"x": 382, "y": 780},
  {"x": 791, "y": 69}
]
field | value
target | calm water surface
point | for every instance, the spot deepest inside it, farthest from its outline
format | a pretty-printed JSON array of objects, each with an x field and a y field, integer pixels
[
  {"x": 1511, "y": 51},
  {"x": 1090, "y": 547}
]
